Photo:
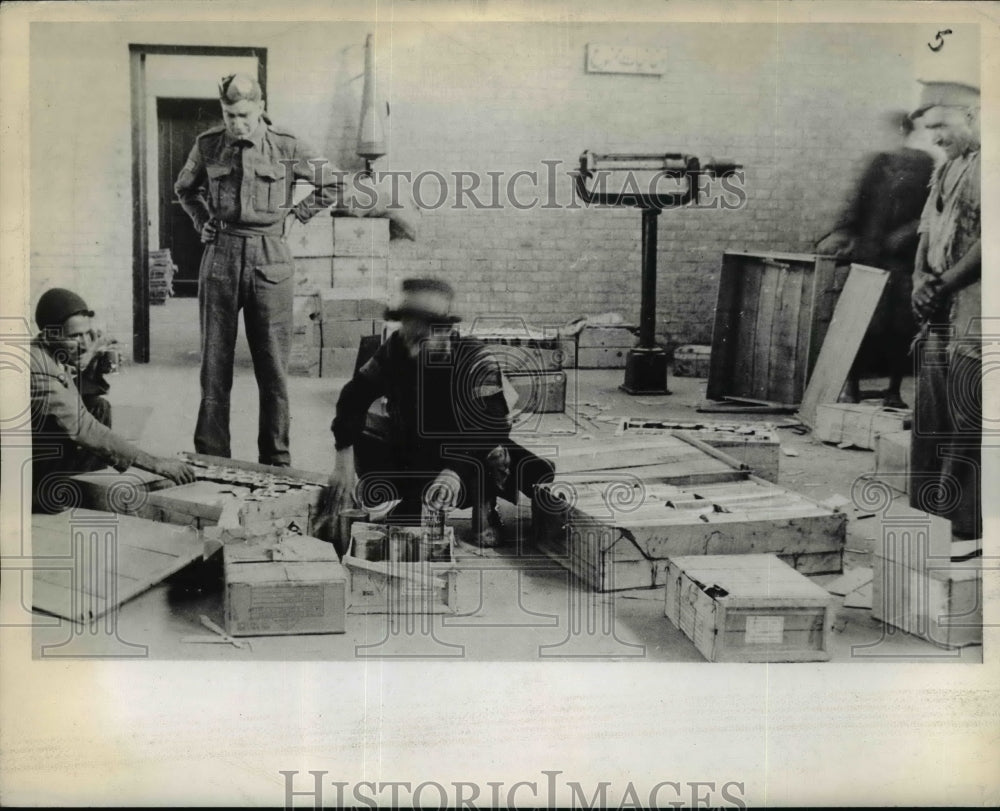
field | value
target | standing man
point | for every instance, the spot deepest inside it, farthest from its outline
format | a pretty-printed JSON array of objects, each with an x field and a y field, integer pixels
[
  {"x": 237, "y": 187},
  {"x": 878, "y": 227},
  {"x": 70, "y": 418},
  {"x": 947, "y": 431}
]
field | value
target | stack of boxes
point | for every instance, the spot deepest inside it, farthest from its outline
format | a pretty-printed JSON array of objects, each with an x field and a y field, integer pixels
[
  {"x": 341, "y": 287},
  {"x": 161, "y": 276}
]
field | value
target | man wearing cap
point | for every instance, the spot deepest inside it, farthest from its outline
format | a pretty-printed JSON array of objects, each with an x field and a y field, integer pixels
[
  {"x": 70, "y": 419},
  {"x": 448, "y": 443},
  {"x": 237, "y": 187},
  {"x": 947, "y": 431}
]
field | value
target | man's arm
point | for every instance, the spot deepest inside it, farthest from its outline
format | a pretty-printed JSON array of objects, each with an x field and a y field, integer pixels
[
  {"x": 964, "y": 272},
  {"x": 327, "y": 180},
  {"x": 190, "y": 189}
]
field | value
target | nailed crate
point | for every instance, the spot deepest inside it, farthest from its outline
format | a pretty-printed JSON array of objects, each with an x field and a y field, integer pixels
[
  {"x": 858, "y": 424},
  {"x": 616, "y": 527},
  {"x": 748, "y": 608},
  {"x": 604, "y": 347},
  {"x": 692, "y": 361},
  {"x": 292, "y": 585},
  {"x": 892, "y": 459},
  {"x": 398, "y": 570},
  {"x": 771, "y": 317},
  {"x": 917, "y": 586},
  {"x": 539, "y": 392}
]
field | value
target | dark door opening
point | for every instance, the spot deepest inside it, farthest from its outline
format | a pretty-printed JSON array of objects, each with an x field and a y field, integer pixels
[{"x": 180, "y": 122}]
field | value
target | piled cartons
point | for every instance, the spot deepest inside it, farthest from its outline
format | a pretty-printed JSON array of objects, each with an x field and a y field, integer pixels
[
  {"x": 161, "y": 276},
  {"x": 748, "y": 608},
  {"x": 892, "y": 459},
  {"x": 858, "y": 424},
  {"x": 307, "y": 337},
  {"x": 343, "y": 322},
  {"x": 292, "y": 585},
  {"x": 616, "y": 527},
  {"x": 531, "y": 360},
  {"x": 600, "y": 347},
  {"x": 402, "y": 570},
  {"x": 692, "y": 361}
]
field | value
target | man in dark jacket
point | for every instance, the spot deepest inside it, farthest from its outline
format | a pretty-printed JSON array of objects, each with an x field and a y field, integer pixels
[
  {"x": 878, "y": 227},
  {"x": 70, "y": 418},
  {"x": 448, "y": 442}
]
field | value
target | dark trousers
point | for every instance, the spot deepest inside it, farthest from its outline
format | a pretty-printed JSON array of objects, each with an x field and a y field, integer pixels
[
  {"x": 56, "y": 457},
  {"x": 252, "y": 273},
  {"x": 945, "y": 453}
]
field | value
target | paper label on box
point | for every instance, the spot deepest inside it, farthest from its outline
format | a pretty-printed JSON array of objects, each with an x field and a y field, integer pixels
[{"x": 765, "y": 630}]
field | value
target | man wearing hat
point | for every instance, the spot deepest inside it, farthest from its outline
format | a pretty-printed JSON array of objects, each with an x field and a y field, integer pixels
[
  {"x": 70, "y": 419},
  {"x": 237, "y": 186},
  {"x": 448, "y": 436},
  {"x": 947, "y": 430}
]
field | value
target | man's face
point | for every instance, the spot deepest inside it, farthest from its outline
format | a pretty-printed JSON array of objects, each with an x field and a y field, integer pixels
[
  {"x": 242, "y": 117},
  {"x": 951, "y": 129},
  {"x": 76, "y": 337},
  {"x": 417, "y": 334}
]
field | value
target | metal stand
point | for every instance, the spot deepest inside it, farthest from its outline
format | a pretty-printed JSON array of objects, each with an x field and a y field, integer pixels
[{"x": 646, "y": 365}]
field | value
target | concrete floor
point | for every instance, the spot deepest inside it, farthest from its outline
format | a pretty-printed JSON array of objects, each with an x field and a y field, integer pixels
[{"x": 530, "y": 609}]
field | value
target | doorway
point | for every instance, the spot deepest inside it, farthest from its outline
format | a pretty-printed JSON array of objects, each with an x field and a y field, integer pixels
[
  {"x": 173, "y": 99},
  {"x": 179, "y": 123}
]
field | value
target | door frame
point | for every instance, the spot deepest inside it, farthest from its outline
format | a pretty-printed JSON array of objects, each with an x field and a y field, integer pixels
[{"x": 140, "y": 181}]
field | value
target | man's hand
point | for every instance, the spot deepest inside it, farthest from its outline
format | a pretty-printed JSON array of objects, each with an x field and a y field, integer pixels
[
  {"x": 174, "y": 469},
  {"x": 342, "y": 484},
  {"x": 926, "y": 299},
  {"x": 209, "y": 232},
  {"x": 98, "y": 343},
  {"x": 498, "y": 465},
  {"x": 444, "y": 492}
]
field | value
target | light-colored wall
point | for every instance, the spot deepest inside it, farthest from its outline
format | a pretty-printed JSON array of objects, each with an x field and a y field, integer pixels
[{"x": 798, "y": 105}]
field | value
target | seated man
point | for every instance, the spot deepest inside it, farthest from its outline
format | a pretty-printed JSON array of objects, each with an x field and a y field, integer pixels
[
  {"x": 70, "y": 419},
  {"x": 448, "y": 439}
]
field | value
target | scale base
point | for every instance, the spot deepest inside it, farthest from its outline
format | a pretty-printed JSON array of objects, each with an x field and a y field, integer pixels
[{"x": 645, "y": 372}]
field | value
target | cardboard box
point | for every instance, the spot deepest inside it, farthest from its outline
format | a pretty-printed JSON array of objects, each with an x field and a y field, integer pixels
[
  {"x": 304, "y": 360},
  {"x": 525, "y": 355},
  {"x": 918, "y": 588},
  {"x": 399, "y": 570},
  {"x": 858, "y": 424},
  {"x": 334, "y": 305},
  {"x": 293, "y": 586},
  {"x": 748, "y": 608},
  {"x": 365, "y": 237},
  {"x": 347, "y": 334},
  {"x": 361, "y": 278},
  {"x": 692, "y": 361},
  {"x": 312, "y": 275},
  {"x": 892, "y": 459},
  {"x": 305, "y": 313},
  {"x": 541, "y": 393},
  {"x": 338, "y": 362},
  {"x": 313, "y": 238},
  {"x": 600, "y": 337}
]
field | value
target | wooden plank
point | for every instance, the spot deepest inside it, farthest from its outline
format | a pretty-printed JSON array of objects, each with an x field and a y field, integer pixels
[
  {"x": 851, "y": 317},
  {"x": 786, "y": 336},
  {"x": 828, "y": 280},
  {"x": 746, "y": 330},
  {"x": 720, "y": 366},
  {"x": 768, "y": 301}
]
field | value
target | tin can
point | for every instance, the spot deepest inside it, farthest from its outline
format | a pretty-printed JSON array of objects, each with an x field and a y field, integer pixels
[
  {"x": 347, "y": 518},
  {"x": 369, "y": 542}
]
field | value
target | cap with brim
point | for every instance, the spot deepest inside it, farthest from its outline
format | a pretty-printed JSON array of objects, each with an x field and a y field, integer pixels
[
  {"x": 57, "y": 305},
  {"x": 945, "y": 94},
  {"x": 397, "y": 313}
]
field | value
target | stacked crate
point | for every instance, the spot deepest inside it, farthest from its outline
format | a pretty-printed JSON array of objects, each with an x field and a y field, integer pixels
[
  {"x": 343, "y": 322},
  {"x": 161, "y": 276}
]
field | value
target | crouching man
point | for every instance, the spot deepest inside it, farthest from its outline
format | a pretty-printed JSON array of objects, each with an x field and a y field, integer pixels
[
  {"x": 70, "y": 418},
  {"x": 448, "y": 443}
]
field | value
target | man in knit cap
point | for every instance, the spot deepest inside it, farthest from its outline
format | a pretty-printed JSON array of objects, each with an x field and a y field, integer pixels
[
  {"x": 947, "y": 430},
  {"x": 70, "y": 418},
  {"x": 237, "y": 188}
]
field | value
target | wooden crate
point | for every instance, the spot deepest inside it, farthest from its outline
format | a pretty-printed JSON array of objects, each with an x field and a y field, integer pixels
[
  {"x": 313, "y": 275},
  {"x": 116, "y": 492},
  {"x": 313, "y": 238},
  {"x": 366, "y": 237},
  {"x": 858, "y": 424},
  {"x": 387, "y": 576},
  {"x": 293, "y": 585},
  {"x": 918, "y": 588},
  {"x": 692, "y": 361},
  {"x": 667, "y": 496},
  {"x": 539, "y": 392},
  {"x": 892, "y": 459},
  {"x": 515, "y": 354},
  {"x": 748, "y": 608},
  {"x": 361, "y": 277},
  {"x": 755, "y": 445},
  {"x": 772, "y": 314},
  {"x": 348, "y": 334},
  {"x": 333, "y": 306},
  {"x": 604, "y": 347}
]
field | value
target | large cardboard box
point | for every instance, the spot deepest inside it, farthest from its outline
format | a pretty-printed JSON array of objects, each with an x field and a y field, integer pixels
[
  {"x": 858, "y": 424},
  {"x": 539, "y": 392},
  {"x": 342, "y": 333},
  {"x": 293, "y": 586},
  {"x": 313, "y": 275},
  {"x": 748, "y": 608},
  {"x": 365, "y": 237},
  {"x": 400, "y": 570},
  {"x": 361, "y": 278},
  {"x": 333, "y": 305}
]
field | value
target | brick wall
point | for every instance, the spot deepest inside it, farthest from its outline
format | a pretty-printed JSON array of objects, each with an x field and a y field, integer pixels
[{"x": 798, "y": 105}]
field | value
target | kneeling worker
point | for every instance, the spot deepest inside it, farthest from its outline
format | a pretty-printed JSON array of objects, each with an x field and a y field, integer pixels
[
  {"x": 448, "y": 443},
  {"x": 70, "y": 419}
]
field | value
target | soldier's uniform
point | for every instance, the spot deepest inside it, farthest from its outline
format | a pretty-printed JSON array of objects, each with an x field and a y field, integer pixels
[{"x": 245, "y": 186}]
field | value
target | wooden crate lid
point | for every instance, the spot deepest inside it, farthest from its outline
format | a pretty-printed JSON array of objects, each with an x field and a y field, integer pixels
[{"x": 749, "y": 577}]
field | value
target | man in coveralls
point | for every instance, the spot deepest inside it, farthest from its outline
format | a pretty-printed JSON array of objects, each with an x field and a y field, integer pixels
[
  {"x": 945, "y": 452},
  {"x": 237, "y": 187}
]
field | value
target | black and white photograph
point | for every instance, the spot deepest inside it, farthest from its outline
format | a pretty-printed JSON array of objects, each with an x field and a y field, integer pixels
[{"x": 470, "y": 404}]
